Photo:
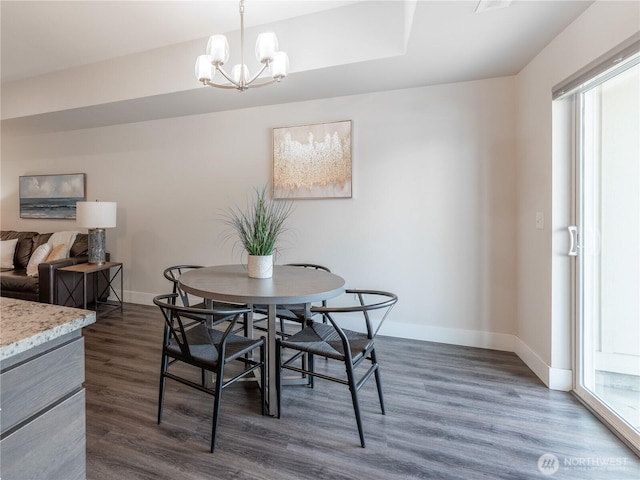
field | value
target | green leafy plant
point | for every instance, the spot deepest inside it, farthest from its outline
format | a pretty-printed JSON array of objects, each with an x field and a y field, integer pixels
[{"x": 258, "y": 228}]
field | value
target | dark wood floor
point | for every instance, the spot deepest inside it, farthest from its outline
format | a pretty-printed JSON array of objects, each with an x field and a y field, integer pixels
[{"x": 452, "y": 413}]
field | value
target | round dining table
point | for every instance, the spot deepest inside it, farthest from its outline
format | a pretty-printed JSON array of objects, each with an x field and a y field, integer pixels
[{"x": 288, "y": 285}]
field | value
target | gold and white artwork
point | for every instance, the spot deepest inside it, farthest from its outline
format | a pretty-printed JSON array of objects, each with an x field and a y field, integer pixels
[{"x": 312, "y": 161}]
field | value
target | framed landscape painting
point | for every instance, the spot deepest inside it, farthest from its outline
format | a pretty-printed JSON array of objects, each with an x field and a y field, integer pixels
[
  {"x": 51, "y": 196},
  {"x": 312, "y": 161}
]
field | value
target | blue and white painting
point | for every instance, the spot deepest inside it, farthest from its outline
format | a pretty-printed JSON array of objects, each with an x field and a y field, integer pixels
[{"x": 51, "y": 196}]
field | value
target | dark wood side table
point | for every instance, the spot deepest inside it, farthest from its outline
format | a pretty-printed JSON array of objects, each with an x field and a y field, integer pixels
[{"x": 78, "y": 277}]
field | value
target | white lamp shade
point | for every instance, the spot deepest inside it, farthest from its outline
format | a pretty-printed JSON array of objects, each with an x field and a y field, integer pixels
[
  {"x": 266, "y": 47},
  {"x": 218, "y": 49},
  {"x": 280, "y": 66},
  {"x": 235, "y": 73},
  {"x": 96, "y": 214},
  {"x": 204, "y": 69}
]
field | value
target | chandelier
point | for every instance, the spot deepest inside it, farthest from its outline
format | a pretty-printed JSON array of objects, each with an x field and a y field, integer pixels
[{"x": 218, "y": 54}]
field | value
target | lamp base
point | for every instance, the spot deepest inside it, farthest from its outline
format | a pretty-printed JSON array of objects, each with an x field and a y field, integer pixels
[{"x": 97, "y": 246}]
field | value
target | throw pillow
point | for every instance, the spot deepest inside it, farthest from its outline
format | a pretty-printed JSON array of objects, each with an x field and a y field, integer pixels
[
  {"x": 7, "y": 251},
  {"x": 66, "y": 238},
  {"x": 59, "y": 252},
  {"x": 37, "y": 257}
]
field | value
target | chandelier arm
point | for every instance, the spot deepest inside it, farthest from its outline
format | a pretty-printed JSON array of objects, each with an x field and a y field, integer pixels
[
  {"x": 209, "y": 83},
  {"x": 267, "y": 82},
  {"x": 253, "y": 79},
  {"x": 218, "y": 85},
  {"x": 224, "y": 74}
]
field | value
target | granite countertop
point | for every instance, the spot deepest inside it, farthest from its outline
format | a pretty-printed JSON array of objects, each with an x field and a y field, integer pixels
[{"x": 24, "y": 324}]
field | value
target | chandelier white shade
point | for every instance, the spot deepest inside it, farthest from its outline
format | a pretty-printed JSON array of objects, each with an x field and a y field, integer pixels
[{"x": 267, "y": 53}]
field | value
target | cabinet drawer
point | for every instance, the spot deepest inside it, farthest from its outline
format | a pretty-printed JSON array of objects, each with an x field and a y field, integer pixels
[
  {"x": 52, "y": 446},
  {"x": 31, "y": 386}
]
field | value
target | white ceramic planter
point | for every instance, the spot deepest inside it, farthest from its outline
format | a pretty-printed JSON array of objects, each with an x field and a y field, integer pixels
[{"x": 260, "y": 266}]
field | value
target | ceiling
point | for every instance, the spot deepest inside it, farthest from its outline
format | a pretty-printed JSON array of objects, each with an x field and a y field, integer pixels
[
  {"x": 336, "y": 47},
  {"x": 44, "y": 36}
]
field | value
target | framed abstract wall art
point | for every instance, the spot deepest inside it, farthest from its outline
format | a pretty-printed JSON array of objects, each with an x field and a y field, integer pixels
[
  {"x": 312, "y": 161},
  {"x": 51, "y": 196}
]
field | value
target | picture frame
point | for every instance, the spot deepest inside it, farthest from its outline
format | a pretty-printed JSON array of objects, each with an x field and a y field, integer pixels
[
  {"x": 51, "y": 196},
  {"x": 313, "y": 161}
]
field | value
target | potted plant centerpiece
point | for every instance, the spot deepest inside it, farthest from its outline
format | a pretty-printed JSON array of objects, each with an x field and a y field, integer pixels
[{"x": 258, "y": 229}]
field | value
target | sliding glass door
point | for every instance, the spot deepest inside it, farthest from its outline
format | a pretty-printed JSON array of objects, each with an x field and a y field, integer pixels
[{"x": 607, "y": 247}]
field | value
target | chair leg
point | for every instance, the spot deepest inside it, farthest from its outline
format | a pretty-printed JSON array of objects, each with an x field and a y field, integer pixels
[
  {"x": 374, "y": 361},
  {"x": 354, "y": 399},
  {"x": 282, "y": 331},
  {"x": 263, "y": 380},
  {"x": 217, "y": 400},
  {"x": 310, "y": 366},
  {"x": 278, "y": 384},
  {"x": 163, "y": 380}
]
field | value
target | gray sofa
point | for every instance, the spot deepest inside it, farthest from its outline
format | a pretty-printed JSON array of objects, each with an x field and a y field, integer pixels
[{"x": 44, "y": 288}]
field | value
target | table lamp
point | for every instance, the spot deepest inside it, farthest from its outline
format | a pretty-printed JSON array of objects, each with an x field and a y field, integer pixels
[{"x": 96, "y": 216}]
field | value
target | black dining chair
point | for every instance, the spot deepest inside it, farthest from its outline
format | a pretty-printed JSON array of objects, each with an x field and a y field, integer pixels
[
  {"x": 205, "y": 338},
  {"x": 332, "y": 341},
  {"x": 293, "y": 312},
  {"x": 173, "y": 275}
]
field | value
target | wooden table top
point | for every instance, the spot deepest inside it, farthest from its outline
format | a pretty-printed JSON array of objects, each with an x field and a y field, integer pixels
[{"x": 289, "y": 284}]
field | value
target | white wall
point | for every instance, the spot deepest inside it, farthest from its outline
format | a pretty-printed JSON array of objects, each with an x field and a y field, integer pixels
[
  {"x": 432, "y": 214},
  {"x": 543, "y": 311}
]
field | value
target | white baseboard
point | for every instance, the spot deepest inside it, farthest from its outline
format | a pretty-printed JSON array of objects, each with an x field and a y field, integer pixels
[
  {"x": 468, "y": 338},
  {"x": 560, "y": 379},
  {"x": 553, "y": 378},
  {"x": 139, "y": 298}
]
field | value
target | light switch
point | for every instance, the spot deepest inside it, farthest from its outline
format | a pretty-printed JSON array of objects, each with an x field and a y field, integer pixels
[{"x": 539, "y": 220}]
